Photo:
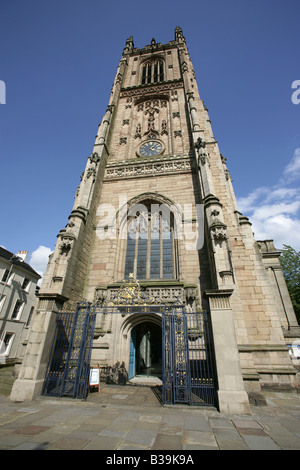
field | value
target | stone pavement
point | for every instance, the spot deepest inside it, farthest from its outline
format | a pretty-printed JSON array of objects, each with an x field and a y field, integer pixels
[{"x": 132, "y": 418}]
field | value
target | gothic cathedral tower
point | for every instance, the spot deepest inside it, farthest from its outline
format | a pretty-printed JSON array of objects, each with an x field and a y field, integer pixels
[{"x": 156, "y": 204}]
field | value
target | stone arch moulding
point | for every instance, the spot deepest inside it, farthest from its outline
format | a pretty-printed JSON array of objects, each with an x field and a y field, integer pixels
[
  {"x": 152, "y": 58},
  {"x": 131, "y": 321},
  {"x": 151, "y": 97},
  {"x": 135, "y": 319},
  {"x": 122, "y": 213}
]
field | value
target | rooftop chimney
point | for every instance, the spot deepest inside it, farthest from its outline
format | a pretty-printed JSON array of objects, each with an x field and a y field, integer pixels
[{"x": 23, "y": 255}]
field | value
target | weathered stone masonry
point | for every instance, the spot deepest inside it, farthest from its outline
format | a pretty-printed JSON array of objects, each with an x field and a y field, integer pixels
[{"x": 155, "y": 98}]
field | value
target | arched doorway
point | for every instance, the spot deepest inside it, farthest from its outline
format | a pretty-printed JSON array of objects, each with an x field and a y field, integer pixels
[{"x": 145, "y": 358}]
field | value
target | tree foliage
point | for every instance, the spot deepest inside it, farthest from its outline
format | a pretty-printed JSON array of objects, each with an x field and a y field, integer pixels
[{"x": 290, "y": 262}]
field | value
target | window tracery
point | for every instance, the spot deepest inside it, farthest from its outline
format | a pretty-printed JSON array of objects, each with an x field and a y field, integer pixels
[
  {"x": 152, "y": 71},
  {"x": 150, "y": 252}
]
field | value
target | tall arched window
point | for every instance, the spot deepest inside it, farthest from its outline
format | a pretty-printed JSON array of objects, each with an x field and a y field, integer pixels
[
  {"x": 152, "y": 71},
  {"x": 151, "y": 248}
]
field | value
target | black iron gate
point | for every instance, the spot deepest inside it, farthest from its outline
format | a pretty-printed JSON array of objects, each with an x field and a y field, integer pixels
[
  {"x": 187, "y": 352},
  {"x": 188, "y": 359},
  {"x": 68, "y": 367}
]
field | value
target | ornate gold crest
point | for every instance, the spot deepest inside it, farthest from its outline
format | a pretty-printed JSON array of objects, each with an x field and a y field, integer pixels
[{"x": 129, "y": 293}]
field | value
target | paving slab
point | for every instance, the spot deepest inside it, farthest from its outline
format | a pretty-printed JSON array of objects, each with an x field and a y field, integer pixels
[
  {"x": 260, "y": 442},
  {"x": 140, "y": 436},
  {"x": 45, "y": 438},
  {"x": 166, "y": 428},
  {"x": 196, "y": 423},
  {"x": 64, "y": 428},
  {"x": 286, "y": 440},
  {"x": 246, "y": 424},
  {"x": 69, "y": 444},
  {"x": 151, "y": 418},
  {"x": 119, "y": 397},
  {"x": 103, "y": 443},
  {"x": 136, "y": 420},
  {"x": 31, "y": 430},
  {"x": 216, "y": 423},
  {"x": 227, "y": 435},
  {"x": 12, "y": 440},
  {"x": 112, "y": 433},
  {"x": 168, "y": 442},
  {"x": 126, "y": 446},
  {"x": 200, "y": 438},
  {"x": 31, "y": 446},
  {"x": 120, "y": 425}
]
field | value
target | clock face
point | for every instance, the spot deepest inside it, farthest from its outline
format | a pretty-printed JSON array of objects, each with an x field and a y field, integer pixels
[{"x": 151, "y": 148}]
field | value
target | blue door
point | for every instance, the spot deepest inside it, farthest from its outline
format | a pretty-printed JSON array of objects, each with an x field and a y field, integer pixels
[{"x": 131, "y": 371}]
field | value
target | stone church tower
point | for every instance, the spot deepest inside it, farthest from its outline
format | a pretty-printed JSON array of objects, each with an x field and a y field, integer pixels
[{"x": 156, "y": 204}]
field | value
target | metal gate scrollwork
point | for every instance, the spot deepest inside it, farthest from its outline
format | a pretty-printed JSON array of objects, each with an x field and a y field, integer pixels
[
  {"x": 68, "y": 367},
  {"x": 187, "y": 348},
  {"x": 188, "y": 364}
]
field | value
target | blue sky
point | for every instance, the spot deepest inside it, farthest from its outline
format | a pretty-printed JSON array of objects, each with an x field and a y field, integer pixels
[{"x": 58, "y": 60}]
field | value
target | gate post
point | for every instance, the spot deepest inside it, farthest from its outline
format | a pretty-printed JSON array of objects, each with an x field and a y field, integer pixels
[
  {"x": 232, "y": 396},
  {"x": 31, "y": 376}
]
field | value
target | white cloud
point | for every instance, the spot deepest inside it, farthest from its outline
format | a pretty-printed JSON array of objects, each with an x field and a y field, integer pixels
[
  {"x": 268, "y": 211},
  {"x": 275, "y": 211},
  {"x": 281, "y": 228},
  {"x": 39, "y": 259},
  {"x": 281, "y": 193},
  {"x": 248, "y": 203},
  {"x": 293, "y": 168}
]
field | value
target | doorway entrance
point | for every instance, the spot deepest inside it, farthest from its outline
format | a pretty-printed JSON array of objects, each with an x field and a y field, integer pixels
[{"x": 145, "y": 351}]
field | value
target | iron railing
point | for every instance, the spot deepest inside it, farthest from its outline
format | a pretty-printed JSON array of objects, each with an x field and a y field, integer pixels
[
  {"x": 68, "y": 367},
  {"x": 188, "y": 372}
]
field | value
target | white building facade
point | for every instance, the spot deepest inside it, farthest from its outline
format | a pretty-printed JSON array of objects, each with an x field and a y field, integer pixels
[{"x": 18, "y": 284}]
